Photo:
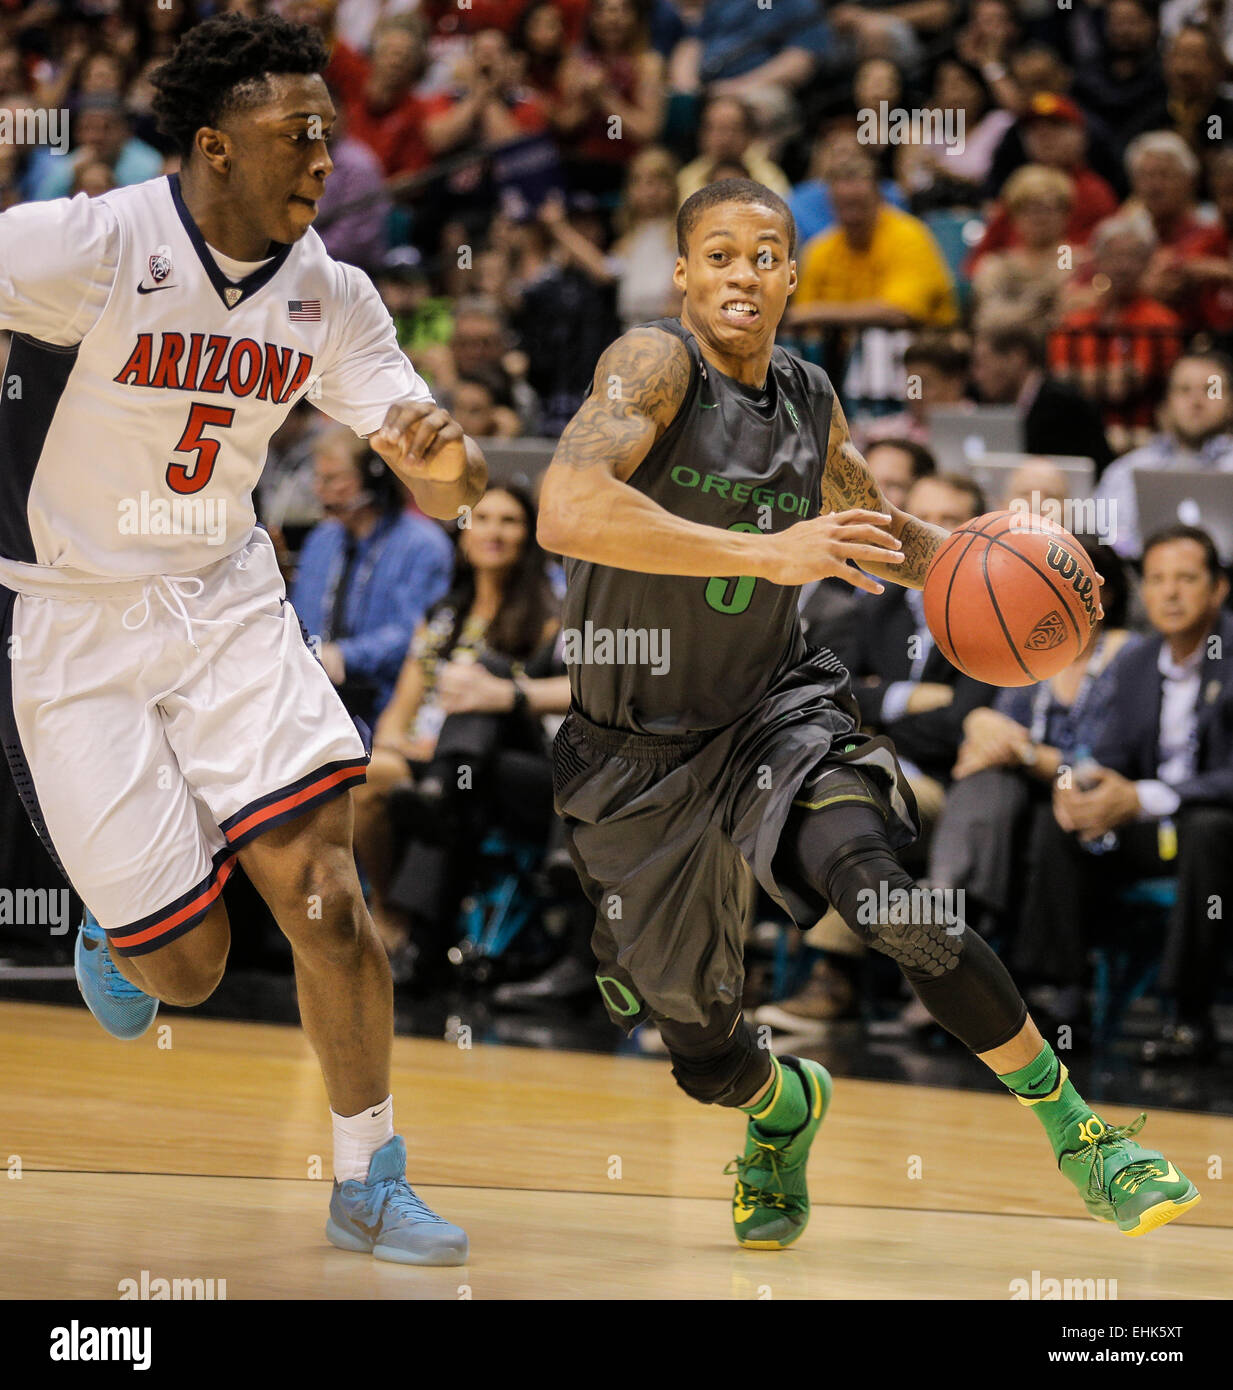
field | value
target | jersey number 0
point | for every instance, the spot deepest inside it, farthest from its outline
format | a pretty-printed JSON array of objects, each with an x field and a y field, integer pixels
[{"x": 732, "y": 595}]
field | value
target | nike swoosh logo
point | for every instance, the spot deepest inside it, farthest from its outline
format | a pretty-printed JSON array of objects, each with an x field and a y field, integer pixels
[
  {"x": 713, "y": 406},
  {"x": 372, "y": 1232},
  {"x": 742, "y": 1214},
  {"x": 1172, "y": 1175},
  {"x": 152, "y": 289},
  {"x": 90, "y": 944}
]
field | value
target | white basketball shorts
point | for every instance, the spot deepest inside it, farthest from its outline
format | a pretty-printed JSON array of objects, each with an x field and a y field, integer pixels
[{"x": 156, "y": 727}]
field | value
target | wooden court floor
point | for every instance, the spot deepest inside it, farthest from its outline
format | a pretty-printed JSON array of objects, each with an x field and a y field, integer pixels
[{"x": 203, "y": 1153}]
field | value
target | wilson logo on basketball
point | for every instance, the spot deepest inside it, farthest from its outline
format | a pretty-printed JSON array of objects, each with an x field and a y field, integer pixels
[
  {"x": 1069, "y": 569},
  {"x": 1047, "y": 634}
]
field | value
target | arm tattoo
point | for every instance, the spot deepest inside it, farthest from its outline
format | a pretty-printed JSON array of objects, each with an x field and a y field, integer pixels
[
  {"x": 638, "y": 388},
  {"x": 848, "y": 483}
]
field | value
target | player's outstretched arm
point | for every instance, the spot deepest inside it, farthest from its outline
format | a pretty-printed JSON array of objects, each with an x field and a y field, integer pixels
[
  {"x": 425, "y": 446},
  {"x": 588, "y": 510},
  {"x": 847, "y": 482}
]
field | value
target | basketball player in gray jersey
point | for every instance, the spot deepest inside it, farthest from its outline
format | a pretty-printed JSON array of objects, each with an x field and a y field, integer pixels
[{"x": 708, "y": 475}]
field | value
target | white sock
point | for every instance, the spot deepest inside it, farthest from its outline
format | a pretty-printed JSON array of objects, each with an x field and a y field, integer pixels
[{"x": 358, "y": 1137}]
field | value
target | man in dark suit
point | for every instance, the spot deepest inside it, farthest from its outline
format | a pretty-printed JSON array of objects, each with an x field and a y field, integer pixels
[
  {"x": 1008, "y": 368},
  {"x": 1156, "y": 799}
]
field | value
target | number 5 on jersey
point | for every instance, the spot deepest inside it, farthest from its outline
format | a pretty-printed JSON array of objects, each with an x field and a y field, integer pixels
[{"x": 186, "y": 478}]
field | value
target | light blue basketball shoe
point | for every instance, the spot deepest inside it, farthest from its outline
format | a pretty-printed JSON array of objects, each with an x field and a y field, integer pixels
[
  {"x": 124, "y": 1010},
  {"x": 384, "y": 1218}
]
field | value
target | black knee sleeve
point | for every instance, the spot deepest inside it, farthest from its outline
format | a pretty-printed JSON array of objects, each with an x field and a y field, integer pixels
[
  {"x": 844, "y": 854},
  {"x": 718, "y": 1062}
]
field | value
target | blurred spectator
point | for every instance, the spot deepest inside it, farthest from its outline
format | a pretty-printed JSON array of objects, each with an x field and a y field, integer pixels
[
  {"x": 474, "y": 684},
  {"x": 945, "y": 173},
  {"x": 739, "y": 49},
  {"x": 1154, "y": 799},
  {"x": 1007, "y": 764},
  {"x": 890, "y": 28},
  {"x": 1126, "y": 84},
  {"x": 422, "y": 320},
  {"x": 810, "y": 202},
  {"x": 475, "y": 403},
  {"x": 728, "y": 131},
  {"x": 611, "y": 96},
  {"x": 1208, "y": 14},
  {"x": 92, "y": 177},
  {"x": 1036, "y": 487},
  {"x": 540, "y": 40},
  {"x": 287, "y": 502},
  {"x": 642, "y": 260},
  {"x": 1215, "y": 273},
  {"x": 367, "y": 573},
  {"x": 876, "y": 80},
  {"x": 563, "y": 320},
  {"x": 1008, "y": 368},
  {"x": 1164, "y": 174},
  {"x": 380, "y": 101},
  {"x": 826, "y": 606},
  {"x": 1054, "y": 134},
  {"x": 1118, "y": 346},
  {"x": 936, "y": 363},
  {"x": 990, "y": 36},
  {"x": 482, "y": 346},
  {"x": 1195, "y": 106},
  {"x": 880, "y": 266},
  {"x": 1035, "y": 70},
  {"x": 102, "y": 133},
  {"x": 354, "y": 210},
  {"x": 488, "y": 105},
  {"x": 1030, "y": 274},
  {"x": 1197, "y": 420}
]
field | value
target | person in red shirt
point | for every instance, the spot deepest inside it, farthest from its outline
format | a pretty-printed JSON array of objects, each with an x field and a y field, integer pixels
[
  {"x": 1116, "y": 343},
  {"x": 488, "y": 107},
  {"x": 379, "y": 98},
  {"x": 1055, "y": 135},
  {"x": 1164, "y": 176}
]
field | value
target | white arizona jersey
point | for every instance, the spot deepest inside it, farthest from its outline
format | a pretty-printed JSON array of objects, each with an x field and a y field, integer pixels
[{"x": 142, "y": 385}]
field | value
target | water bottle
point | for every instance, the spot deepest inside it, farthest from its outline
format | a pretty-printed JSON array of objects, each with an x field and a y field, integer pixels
[{"x": 1086, "y": 768}]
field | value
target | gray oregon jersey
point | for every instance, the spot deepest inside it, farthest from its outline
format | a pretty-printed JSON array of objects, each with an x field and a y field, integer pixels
[{"x": 667, "y": 654}]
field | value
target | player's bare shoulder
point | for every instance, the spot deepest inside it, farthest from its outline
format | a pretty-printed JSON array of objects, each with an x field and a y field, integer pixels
[{"x": 639, "y": 385}]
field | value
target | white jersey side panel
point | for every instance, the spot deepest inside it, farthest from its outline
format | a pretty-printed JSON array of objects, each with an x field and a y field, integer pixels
[{"x": 133, "y": 449}]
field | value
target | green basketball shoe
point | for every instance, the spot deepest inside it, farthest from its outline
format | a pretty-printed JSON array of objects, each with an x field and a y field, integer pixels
[
  {"x": 1120, "y": 1182},
  {"x": 770, "y": 1207}
]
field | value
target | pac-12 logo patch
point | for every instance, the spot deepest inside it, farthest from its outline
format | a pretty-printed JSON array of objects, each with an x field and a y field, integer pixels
[
  {"x": 160, "y": 264},
  {"x": 1047, "y": 634}
]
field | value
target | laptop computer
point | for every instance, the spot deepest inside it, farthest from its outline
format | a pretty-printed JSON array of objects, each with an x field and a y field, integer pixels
[
  {"x": 1194, "y": 497},
  {"x": 959, "y": 437}
]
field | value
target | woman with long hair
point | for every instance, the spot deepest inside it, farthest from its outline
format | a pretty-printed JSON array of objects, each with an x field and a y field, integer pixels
[{"x": 475, "y": 682}]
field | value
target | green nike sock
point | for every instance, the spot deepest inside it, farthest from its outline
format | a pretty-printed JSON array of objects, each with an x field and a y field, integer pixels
[
  {"x": 1044, "y": 1084},
  {"x": 784, "y": 1108}
]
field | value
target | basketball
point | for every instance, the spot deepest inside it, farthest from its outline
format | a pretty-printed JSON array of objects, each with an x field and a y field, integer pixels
[{"x": 1011, "y": 599}]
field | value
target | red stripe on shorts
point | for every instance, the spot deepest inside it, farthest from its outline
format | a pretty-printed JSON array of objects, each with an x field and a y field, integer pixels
[
  {"x": 289, "y": 803},
  {"x": 201, "y": 901}
]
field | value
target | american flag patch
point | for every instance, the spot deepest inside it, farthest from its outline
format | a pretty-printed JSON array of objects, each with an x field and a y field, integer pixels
[{"x": 304, "y": 310}]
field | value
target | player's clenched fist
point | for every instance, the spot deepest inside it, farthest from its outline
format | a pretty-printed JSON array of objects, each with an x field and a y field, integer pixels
[
  {"x": 421, "y": 440},
  {"x": 833, "y": 544}
]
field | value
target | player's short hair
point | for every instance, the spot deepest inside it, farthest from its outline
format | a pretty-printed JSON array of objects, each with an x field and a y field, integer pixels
[
  {"x": 1015, "y": 336},
  {"x": 730, "y": 191},
  {"x": 221, "y": 66},
  {"x": 1179, "y": 532}
]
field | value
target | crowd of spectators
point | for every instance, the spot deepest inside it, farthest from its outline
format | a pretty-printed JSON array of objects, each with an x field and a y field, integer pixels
[{"x": 1051, "y": 236}]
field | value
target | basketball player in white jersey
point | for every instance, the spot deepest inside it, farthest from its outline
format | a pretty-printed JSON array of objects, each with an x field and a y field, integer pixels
[{"x": 161, "y": 712}]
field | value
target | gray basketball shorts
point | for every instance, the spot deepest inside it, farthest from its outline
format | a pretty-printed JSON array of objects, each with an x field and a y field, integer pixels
[{"x": 670, "y": 833}]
